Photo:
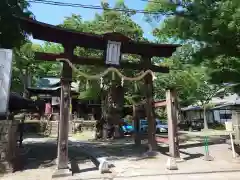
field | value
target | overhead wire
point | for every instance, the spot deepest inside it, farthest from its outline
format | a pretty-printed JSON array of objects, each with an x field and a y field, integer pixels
[
  {"x": 96, "y": 7},
  {"x": 176, "y": 2},
  {"x": 152, "y": 1}
]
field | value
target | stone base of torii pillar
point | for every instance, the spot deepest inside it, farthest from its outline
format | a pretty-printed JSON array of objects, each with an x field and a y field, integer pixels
[{"x": 171, "y": 164}]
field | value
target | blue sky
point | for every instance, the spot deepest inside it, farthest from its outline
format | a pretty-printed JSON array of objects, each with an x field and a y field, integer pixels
[{"x": 55, "y": 14}]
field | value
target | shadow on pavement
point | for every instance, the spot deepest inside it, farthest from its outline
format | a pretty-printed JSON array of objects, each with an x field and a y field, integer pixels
[
  {"x": 42, "y": 155},
  {"x": 191, "y": 156},
  {"x": 199, "y": 144},
  {"x": 39, "y": 155}
]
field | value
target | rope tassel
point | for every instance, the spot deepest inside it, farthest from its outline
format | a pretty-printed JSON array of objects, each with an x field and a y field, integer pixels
[
  {"x": 153, "y": 77},
  {"x": 113, "y": 76},
  {"x": 122, "y": 82},
  {"x": 87, "y": 84},
  {"x": 101, "y": 82},
  {"x": 135, "y": 87}
]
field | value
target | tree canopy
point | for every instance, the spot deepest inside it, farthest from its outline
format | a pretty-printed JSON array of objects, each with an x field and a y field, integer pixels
[
  {"x": 11, "y": 34},
  {"x": 201, "y": 26},
  {"x": 212, "y": 27}
]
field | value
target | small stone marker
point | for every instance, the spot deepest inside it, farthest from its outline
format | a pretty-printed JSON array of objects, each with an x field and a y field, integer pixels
[
  {"x": 207, "y": 157},
  {"x": 60, "y": 173},
  {"x": 171, "y": 164},
  {"x": 103, "y": 165}
]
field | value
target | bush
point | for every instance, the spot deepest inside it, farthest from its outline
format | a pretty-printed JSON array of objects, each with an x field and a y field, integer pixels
[
  {"x": 220, "y": 128},
  {"x": 217, "y": 126}
]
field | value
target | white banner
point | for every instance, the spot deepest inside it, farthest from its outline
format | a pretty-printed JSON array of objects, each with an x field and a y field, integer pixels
[{"x": 5, "y": 78}]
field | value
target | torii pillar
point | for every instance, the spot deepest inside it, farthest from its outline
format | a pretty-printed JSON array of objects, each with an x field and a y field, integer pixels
[
  {"x": 148, "y": 81},
  {"x": 62, "y": 151},
  {"x": 172, "y": 129}
]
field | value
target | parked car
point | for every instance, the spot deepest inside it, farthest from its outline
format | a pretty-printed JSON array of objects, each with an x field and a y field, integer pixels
[
  {"x": 143, "y": 125},
  {"x": 161, "y": 126},
  {"x": 194, "y": 125},
  {"x": 127, "y": 128}
]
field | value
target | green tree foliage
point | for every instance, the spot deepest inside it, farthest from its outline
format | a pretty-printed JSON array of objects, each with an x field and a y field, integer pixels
[
  {"x": 212, "y": 27},
  {"x": 191, "y": 81},
  {"x": 11, "y": 34},
  {"x": 49, "y": 68},
  {"x": 115, "y": 21},
  {"x": 26, "y": 69},
  {"x": 105, "y": 22},
  {"x": 23, "y": 67}
]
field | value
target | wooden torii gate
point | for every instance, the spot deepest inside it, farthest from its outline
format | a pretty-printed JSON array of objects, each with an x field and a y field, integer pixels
[{"x": 70, "y": 40}]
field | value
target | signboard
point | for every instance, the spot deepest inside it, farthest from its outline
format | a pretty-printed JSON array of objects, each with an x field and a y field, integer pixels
[
  {"x": 5, "y": 78},
  {"x": 113, "y": 52}
]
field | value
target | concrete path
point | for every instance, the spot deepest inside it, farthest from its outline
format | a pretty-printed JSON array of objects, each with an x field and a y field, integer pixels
[
  {"x": 46, "y": 175},
  {"x": 213, "y": 176}
]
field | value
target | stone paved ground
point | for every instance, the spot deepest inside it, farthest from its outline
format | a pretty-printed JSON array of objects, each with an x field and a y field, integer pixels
[{"x": 128, "y": 166}]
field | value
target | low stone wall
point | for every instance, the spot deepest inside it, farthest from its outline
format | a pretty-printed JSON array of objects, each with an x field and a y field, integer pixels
[
  {"x": 50, "y": 128},
  {"x": 8, "y": 144},
  {"x": 74, "y": 127},
  {"x": 83, "y": 125},
  {"x": 53, "y": 128}
]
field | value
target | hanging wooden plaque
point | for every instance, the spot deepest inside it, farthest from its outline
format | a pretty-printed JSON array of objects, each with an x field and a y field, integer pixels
[{"x": 113, "y": 52}]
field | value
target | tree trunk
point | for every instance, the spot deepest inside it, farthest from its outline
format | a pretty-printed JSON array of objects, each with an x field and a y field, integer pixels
[
  {"x": 105, "y": 133},
  {"x": 26, "y": 82},
  {"x": 97, "y": 112},
  {"x": 117, "y": 94},
  {"x": 205, "y": 118},
  {"x": 100, "y": 114},
  {"x": 99, "y": 129},
  {"x": 103, "y": 124},
  {"x": 111, "y": 111}
]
